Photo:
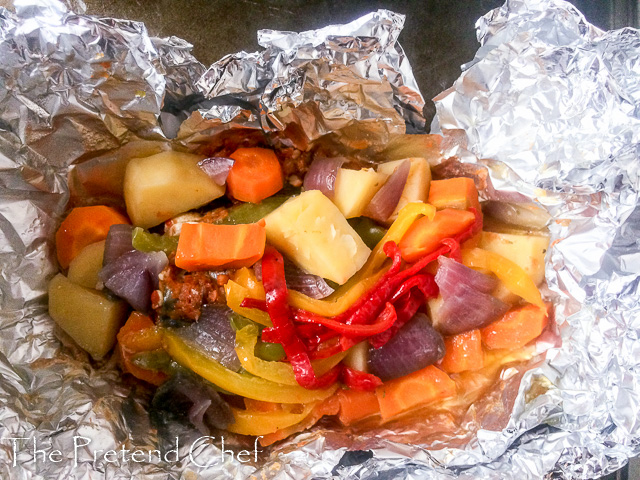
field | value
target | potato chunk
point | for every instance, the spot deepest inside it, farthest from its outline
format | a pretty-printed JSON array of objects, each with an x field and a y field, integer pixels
[
  {"x": 417, "y": 187},
  {"x": 159, "y": 187},
  {"x": 354, "y": 189},
  {"x": 83, "y": 270},
  {"x": 528, "y": 251},
  {"x": 311, "y": 230},
  {"x": 90, "y": 318}
]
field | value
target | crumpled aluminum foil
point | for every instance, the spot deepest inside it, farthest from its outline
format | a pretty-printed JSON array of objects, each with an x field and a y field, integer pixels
[{"x": 548, "y": 99}]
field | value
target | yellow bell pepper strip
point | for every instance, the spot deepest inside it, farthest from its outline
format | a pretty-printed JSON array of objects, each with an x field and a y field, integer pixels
[
  {"x": 406, "y": 217},
  {"x": 345, "y": 296},
  {"x": 255, "y": 422},
  {"x": 330, "y": 406},
  {"x": 508, "y": 272},
  {"x": 240, "y": 384},
  {"x": 279, "y": 372},
  {"x": 235, "y": 294},
  {"x": 247, "y": 278}
]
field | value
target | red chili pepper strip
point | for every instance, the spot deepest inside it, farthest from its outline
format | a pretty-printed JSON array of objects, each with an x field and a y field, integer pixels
[
  {"x": 249, "y": 302},
  {"x": 328, "y": 378},
  {"x": 424, "y": 282},
  {"x": 388, "y": 315},
  {"x": 474, "y": 228},
  {"x": 454, "y": 246},
  {"x": 280, "y": 313},
  {"x": 424, "y": 261},
  {"x": 386, "y": 320},
  {"x": 449, "y": 245},
  {"x": 357, "y": 380},
  {"x": 406, "y": 307},
  {"x": 310, "y": 332},
  {"x": 367, "y": 305},
  {"x": 327, "y": 349}
]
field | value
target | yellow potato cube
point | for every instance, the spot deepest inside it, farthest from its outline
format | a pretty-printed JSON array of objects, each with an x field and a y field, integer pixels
[
  {"x": 417, "y": 187},
  {"x": 87, "y": 316},
  {"x": 84, "y": 269},
  {"x": 528, "y": 251},
  {"x": 159, "y": 187},
  {"x": 314, "y": 234},
  {"x": 354, "y": 189}
]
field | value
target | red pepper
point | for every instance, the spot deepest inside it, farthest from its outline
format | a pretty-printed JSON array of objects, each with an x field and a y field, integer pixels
[
  {"x": 386, "y": 320},
  {"x": 327, "y": 348},
  {"x": 406, "y": 307},
  {"x": 358, "y": 380},
  {"x": 369, "y": 305},
  {"x": 249, "y": 302},
  {"x": 280, "y": 313},
  {"x": 424, "y": 282},
  {"x": 454, "y": 249},
  {"x": 309, "y": 319}
]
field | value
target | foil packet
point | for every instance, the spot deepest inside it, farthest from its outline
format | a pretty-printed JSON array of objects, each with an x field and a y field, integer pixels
[{"x": 555, "y": 94}]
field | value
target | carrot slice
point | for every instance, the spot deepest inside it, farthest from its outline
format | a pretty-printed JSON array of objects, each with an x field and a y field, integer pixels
[
  {"x": 458, "y": 192},
  {"x": 463, "y": 352},
  {"x": 416, "y": 389},
  {"x": 356, "y": 405},
  {"x": 516, "y": 328},
  {"x": 204, "y": 246},
  {"x": 255, "y": 175},
  {"x": 82, "y": 227},
  {"x": 139, "y": 335},
  {"x": 425, "y": 235}
]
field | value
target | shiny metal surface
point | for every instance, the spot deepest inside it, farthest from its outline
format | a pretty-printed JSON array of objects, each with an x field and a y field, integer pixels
[{"x": 548, "y": 99}]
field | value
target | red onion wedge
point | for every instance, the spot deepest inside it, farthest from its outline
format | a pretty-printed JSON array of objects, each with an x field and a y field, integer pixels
[
  {"x": 322, "y": 175},
  {"x": 467, "y": 303},
  {"x": 385, "y": 201},
  {"x": 415, "y": 346},
  {"x": 300, "y": 280},
  {"x": 133, "y": 276},
  {"x": 185, "y": 393},
  {"x": 217, "y": 168},
  {"x": 118, "y": 242},
  {"x": 213, "y": 335}
]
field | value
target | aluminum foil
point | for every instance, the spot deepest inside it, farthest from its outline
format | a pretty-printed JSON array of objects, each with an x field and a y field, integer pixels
[{"x": 547, "y": 104}]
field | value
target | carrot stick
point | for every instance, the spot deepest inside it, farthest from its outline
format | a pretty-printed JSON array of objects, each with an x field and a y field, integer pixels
[
  {"x": 416, "y": 389},
  {"x": 458, "y": 192},
  {"x": 516, "y": 328},
  {"x": 204, "y": 246},
  {"x": 463, "y": 352},
  {"x": 255, "y": 175},
  {"x": 356, "y": 405},
  {"x": 425, "y": 235},
  {"x": 82, "y": 227}
]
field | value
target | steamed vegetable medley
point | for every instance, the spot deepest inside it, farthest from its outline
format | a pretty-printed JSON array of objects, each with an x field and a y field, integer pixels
[{"x": 369, "y": 294}]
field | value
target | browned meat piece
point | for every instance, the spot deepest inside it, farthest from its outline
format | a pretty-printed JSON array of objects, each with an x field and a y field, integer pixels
[{"x": 181, "y": 294}]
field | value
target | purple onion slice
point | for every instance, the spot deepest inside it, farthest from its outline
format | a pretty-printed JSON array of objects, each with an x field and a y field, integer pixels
[
  {"x": 322, "y": 175},
  {"x": 217, "y": 168},
  {"x": 300, "y": 280},
  {"x": 133, "y": 276},
  {"x": 184, "y": 394},
  {"x": 118, "y": 241},
  {"x": 415, "y": 346},
  {"x": 467, "y": 304},
  {"x": 213, "y": 335},
  {"x": 385, "y": 201}
]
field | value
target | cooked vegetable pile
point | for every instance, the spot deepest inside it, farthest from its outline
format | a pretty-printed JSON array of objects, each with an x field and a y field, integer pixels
[{"x": 259, "y": 307}]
